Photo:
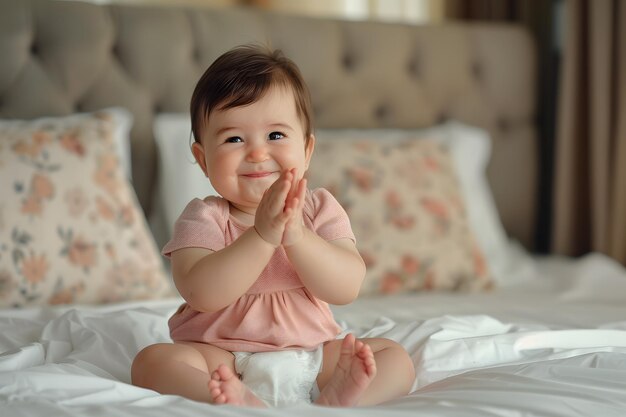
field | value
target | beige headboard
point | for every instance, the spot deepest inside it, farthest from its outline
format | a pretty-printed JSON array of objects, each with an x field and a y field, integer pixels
[{"x": 61, "y": 57}]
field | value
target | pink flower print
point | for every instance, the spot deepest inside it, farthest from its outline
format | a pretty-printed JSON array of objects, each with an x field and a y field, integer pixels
[
  {"x": 405, "y": 222},
  {"x": 149, "y": 277},
  {"x": 40, "y": 139},
  {"x": 82, "y": 254},
  {"x": 429, "y": 281},
  {"x": 42, "y": 187},
  {"x": 32, "y": 205},
  {"x": 66, "y": 295},
  {"x": 120, "y": 279},
  {"x": 71, "y": 143},
  {"x": 362, "y": 177},
  {"x": 431, "y": 163},
  {"x": 393, "y": 199},
  {"x": 32, "y": 150},
  {"x": 456, "y": 203},
  {"x": 391, "y": 283},
  {"x": 104, "y": 209},
  {"x": 25, "y": 149},
  {"x": 410, "y": 265},
  {"x": 76, "y": 201},
  {"x": 106, "y": 174},
  {"x": 127, "y": 216},
  {"x": 35, "y": 268},
  {"x": 435, "y": 207},
  {"x": 480, "y": 265},
  {"x": 110, "y": 251},
  {"x": 364, "y": 147}
]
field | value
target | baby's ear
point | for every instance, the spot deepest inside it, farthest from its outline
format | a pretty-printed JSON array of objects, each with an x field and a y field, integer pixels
[
  {"x": 198, "y": 153},
  {"x": 308, "y": 150}
]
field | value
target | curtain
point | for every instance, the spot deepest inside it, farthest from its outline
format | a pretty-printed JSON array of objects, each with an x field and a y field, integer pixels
[
  {"x": 523, "y": 11},
  {"x": 540, "y": 18},
  {"x": 590, "y": 176}
]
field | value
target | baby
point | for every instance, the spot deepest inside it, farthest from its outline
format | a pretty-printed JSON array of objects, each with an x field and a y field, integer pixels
[{"x": 259, "y": 265}]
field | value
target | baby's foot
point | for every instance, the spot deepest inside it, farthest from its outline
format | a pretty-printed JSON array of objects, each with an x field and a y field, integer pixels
[
  {"x": 226, "y": 388},
  {"x": 355, "y": 371}
]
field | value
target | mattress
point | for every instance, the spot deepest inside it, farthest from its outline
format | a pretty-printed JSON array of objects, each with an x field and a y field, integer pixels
[{"x": 549, "y": 342}]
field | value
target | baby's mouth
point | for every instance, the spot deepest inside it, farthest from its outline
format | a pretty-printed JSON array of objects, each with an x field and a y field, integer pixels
[{"x": 260, "y": 174}]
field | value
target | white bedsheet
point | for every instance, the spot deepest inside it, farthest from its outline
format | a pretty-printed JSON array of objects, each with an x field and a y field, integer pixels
[{"x": 552, "y": 343}]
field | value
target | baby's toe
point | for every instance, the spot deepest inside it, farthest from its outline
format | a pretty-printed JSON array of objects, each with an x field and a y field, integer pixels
[
  {"x": 219, "y": 399},
  {"x": 224, "y": 372}
]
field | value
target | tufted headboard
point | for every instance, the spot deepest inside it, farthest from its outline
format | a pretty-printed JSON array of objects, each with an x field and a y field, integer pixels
[{"x": 61, "y": 57}]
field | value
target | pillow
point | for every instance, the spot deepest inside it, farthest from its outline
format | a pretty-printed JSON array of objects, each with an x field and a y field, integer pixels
[
  {"x": 470, "y": 148},
  {"x": 407, "y": 212},
  {"x": 180, "y": 178},
  {"x": 122, "y": 122},
  {"x": 71, "y": 230}
]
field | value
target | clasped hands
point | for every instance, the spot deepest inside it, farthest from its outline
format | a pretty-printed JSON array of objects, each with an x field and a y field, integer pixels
[{"x": 278, "y": 218}]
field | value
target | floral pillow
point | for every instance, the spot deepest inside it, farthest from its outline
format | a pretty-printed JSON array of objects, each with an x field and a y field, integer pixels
[
  {"x": 407, "y": 213},
  {"x": 71, "y": 230}
]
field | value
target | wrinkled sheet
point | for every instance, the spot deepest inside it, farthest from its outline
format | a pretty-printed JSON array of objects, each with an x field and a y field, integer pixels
[{"x": 550, "y": 342}]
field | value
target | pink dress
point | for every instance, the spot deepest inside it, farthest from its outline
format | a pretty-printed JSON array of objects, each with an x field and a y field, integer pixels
[{"x": 277, "y": 312}]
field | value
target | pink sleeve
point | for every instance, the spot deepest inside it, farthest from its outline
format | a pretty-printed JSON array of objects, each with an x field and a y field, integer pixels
[
  {"x": 201, "y": 225},
  {"x": 330, "y": 220}
]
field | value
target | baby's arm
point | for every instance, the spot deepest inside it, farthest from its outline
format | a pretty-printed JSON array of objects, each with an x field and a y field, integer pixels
[
  {"x": 210, "y": 281},
  {"x": 333, "y": 271}
]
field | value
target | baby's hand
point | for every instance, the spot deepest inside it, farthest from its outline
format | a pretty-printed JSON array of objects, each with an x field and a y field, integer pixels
[
  {"x": 271, "y": 214},
  {"x": 294, "y": 229}
]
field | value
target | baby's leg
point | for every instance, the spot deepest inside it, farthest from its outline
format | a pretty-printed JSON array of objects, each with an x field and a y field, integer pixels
[
  {"x": 183, "y": 368},
  {"x": 394, "y": 377}
]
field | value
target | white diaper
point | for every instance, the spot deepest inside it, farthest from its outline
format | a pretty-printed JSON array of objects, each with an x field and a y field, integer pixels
[{"x": 281, "y": 378}]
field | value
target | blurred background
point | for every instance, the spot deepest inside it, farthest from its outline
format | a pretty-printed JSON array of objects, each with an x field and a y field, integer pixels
[{"x": 581, "y": 100}]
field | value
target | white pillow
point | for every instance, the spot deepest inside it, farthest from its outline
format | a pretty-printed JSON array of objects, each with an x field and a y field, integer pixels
[
  {"x": 123, "y": 124},
  {"x": 181, "y": 180}
]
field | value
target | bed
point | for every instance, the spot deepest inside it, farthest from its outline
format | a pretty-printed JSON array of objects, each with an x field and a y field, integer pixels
[{"x": 545, "y": 337}]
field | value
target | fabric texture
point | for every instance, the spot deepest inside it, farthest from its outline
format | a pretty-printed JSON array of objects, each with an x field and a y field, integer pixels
[
  {"x": 277, "y": 312},
  {"x": 407, "y": 213},
  {"x": 590, "y": 166},
  {"x": 71, "y": 230}
]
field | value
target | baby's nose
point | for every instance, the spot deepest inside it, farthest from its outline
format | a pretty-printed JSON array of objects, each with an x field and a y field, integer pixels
[{"x": 257, "y": 154}]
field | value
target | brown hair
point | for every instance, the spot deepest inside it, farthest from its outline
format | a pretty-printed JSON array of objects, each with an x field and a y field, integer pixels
[{"x": 242, "y": 76}]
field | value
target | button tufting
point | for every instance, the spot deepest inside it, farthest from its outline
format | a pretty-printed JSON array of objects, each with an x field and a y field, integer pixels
[
  {"x": 413, "y": 68},
  {"x": 381, "y": 112},
  {"x": 115, "y": 50},
  {"x": 196, "y": 54},
  {"x": 34, "y": 49},
  {"x": 477, "y": 71},
  {"x": 503, "y": 124},
  {"x": 348, "y": 62}
]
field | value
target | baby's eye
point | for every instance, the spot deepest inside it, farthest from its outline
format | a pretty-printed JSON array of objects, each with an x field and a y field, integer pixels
[
  {"x": 234, "y": 139},
  {"x": 276, "y": 135}
]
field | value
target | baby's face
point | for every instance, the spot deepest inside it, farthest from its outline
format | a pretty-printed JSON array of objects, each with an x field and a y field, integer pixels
[{"x": 244, "y": 149}]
